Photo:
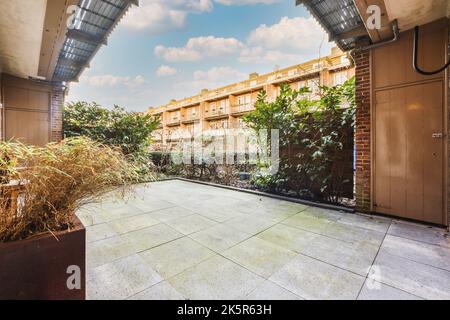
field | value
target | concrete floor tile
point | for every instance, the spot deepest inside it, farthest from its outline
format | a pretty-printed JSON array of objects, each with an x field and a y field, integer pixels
[
  {"x": 174, "y": 257},
  {"x": 165, "y": 215},
  {"x": 150, "y": 237},
  {"x": 111, "y": 212},
  {"x": 418, "y": 279},
  {"x": 420, "y": 233},
  {"x": 160, "y": 291},
  {"x": 86, "y": 218},
  {"x": 288, "y": 237},
  {"x": 191, "y": 224},
  {"x": 99, "y": 232},
  {"x": 271, "y": 291},
  {"x": 215, "y": 278},
  {"x": 219, "y": 238},
  {"x": 353, "y": 234},
  {"x": 132, "y": 223},
  {"x": 312, "y": 279},
  {"x": 433, "y": 255},
  {"x": 308, "y": 222},
  {"x": 379, "y": 224},
  {"x": 250, "y": 224},
  {"x": 332, "y": 249},
  {"x": 219, "y": 212},
  {"x": 325, "y": 214},
  {"x": 374, "y": 290},
  {"x": 107, "y": 250},
  {"x": 355, "y": 257},
  {"x": 121, "y": 279},
  {"x": 259, "y": 256},
  {"x": 149, "y": 205}
]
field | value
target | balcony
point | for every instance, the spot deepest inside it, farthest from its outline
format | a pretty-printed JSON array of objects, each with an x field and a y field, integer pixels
[
  {"x": 216, "y": 113},
  {"x": 174, "y": 121},
  {"x": 189, "y": 118},
  {"x": 157, "y": 136},
  {"x": 242, "y": 109}
]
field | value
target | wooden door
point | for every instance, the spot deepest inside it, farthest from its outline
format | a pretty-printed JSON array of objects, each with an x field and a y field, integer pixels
[
  {"x": 409, "y": 152},
  {"x": 27, "y": 111}
]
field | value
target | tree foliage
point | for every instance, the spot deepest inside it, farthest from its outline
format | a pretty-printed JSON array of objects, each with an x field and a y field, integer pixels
[
  {"x": 316, "y": 140},
  {"x": 131, "y": 131}
]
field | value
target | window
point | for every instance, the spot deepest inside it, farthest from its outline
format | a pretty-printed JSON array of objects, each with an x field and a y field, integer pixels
[
  {"x": 174, "y": 116},
  {"x": 220, "y": 124},
  {"x": 344, "y": 60},
  {"x": 241, "y": 124},
  {"x": 340, "y": 78},
  {"x": 314, "y": 86},
  {"x": 318, "y": 65}
]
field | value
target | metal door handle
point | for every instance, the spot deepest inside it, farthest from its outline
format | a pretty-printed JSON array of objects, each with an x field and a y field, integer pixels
[{"x": 437, "y": 135}]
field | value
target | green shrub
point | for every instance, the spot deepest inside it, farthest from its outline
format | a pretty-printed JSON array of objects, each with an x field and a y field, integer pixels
[
  {"x": 131, "y": 131},
  {"x": 316, "y": 140}
]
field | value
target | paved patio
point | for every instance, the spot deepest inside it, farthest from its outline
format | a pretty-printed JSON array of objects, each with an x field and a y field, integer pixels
[{"x": 181, "y": 240}]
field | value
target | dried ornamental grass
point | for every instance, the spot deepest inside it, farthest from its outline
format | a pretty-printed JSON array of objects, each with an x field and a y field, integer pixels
[{"x": 55, "y": 181}]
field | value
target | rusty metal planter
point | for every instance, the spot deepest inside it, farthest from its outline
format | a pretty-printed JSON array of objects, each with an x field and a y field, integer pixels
[{"x": 36, "y": 268}]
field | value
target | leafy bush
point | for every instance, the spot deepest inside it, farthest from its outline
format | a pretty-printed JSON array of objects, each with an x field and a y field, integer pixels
[
  {"x": 316, "y": 140},
  {"x": 131, "y": 131},
  {"x": 55, "y": 181}
]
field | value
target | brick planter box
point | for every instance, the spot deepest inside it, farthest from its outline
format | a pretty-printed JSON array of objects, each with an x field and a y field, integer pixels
[{"x": 37, "y": 268}]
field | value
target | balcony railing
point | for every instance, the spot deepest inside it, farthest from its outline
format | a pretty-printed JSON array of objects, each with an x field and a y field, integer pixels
[
  {"x": 173, "y": 121},
  {"x": 191, "y": 117},
  {"x": 216, "y": 112},
  {"x": 241, "y": 108}
]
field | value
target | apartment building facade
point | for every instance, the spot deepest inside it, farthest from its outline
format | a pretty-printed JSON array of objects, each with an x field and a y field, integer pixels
[{"x": 223, "y": 108}]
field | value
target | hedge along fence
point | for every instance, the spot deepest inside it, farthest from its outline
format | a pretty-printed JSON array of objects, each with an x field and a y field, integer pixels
[
  {"x": 316, "y": 141},
  {"x": 312, "y": 172}
]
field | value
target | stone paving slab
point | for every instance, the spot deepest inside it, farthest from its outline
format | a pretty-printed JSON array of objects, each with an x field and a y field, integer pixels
[
  {"x": 174, "y": 257},
  {"x": 120, "y": 279},
  {"x": 182, "y": 240},
  {"x": 413, "y": 277},
  {"x": 312, "y": 279},
  {"x": 373, "y": 290},
  {"x": 259, "y": 256},
  {"x": 216, "y": 278}
]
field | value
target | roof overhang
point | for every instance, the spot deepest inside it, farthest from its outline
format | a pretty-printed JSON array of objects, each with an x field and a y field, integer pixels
[
  {"x": 350, "y": 28},
  {"x": 35, "y": 40},
  {"x": 93, "y": 23},
  {"x": 53, "y": 35},
  {"x": 21, "y": 26},
  {"x": 340, "y": 18}
]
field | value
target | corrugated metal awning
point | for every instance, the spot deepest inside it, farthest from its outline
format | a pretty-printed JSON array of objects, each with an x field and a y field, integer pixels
[
  {"x": 340, "y": 18},
  {"x": 92, "y": 25}
]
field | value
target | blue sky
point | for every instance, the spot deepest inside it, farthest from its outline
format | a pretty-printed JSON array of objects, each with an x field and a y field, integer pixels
[{"x": 170, "y": 49}]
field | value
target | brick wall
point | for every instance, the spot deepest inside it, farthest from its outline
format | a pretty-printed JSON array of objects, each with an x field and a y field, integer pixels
[
  {"x": 362, "y": 132},
  {"x": 56, "y": 107}
]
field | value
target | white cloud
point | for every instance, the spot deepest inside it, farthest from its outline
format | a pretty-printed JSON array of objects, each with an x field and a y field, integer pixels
[
  {"x": 113, "y": 81},
  {"x": 289, "y": 41},
  {"x": 218, "y": 73},
  {"x": 166, "y": 71},
  {"x": 297, "y": 33},
  {"x": 245, "y": 2},
  {"x": 262, "y": 55},
  {"x": 160, "y": 16},
  {"x": 198, "y": 48},
  {"x": 212, "y": 78}
]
